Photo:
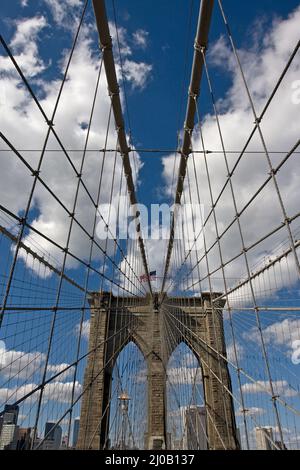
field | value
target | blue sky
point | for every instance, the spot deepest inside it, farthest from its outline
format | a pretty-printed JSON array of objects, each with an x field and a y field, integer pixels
[{"x": 156, "y": 110}]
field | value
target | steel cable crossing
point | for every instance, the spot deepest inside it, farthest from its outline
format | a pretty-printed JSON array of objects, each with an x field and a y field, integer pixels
[{"x": 41, "y": 317}]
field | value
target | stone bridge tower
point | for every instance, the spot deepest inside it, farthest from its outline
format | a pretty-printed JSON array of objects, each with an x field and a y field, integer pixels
[{"x": 118, "y": 321}]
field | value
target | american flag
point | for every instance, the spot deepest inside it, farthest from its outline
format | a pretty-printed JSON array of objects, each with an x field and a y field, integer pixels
[{"x": 144, "y": 277}]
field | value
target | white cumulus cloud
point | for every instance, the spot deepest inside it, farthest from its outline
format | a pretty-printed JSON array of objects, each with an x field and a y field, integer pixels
[
  {"x": 140, "y": 38},
  {"x": 281, "y": 388}
]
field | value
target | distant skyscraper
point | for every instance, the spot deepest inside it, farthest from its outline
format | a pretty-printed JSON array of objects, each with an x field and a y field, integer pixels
[
  {"x": 75, "y": 431},
  {"x": 195, "y": 428},
  {"x": 9, "y": 428},
  {"x": 8, "y": 438},
  {"x": 10, "y": 415},
  {"x": 52, "y": 437},
  {"x": 64, "y": 443},
  {"x": 24, "y": 439},
  {"x": 264, "y": 438}
]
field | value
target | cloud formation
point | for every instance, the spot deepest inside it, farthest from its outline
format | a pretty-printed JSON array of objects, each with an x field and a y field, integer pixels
[
  {"x": 281, "y": 388},
  {"x": 55, "y": 391},
  {"x": 140, "y": 38},
  {"x": 281, "y": 333},
  {"x": 28, "y": 365},
  {"x": 85, "y": 331},
  {"x": 25, "y": 46},
  {"x": 64, "y": 13}
]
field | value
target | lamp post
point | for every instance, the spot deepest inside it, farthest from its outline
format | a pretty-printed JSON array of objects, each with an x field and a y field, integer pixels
[{"x": 124, "y": 402}]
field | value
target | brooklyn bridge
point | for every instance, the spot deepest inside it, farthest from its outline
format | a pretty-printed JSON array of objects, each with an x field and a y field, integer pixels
[{"x": 165, "y": 326}]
